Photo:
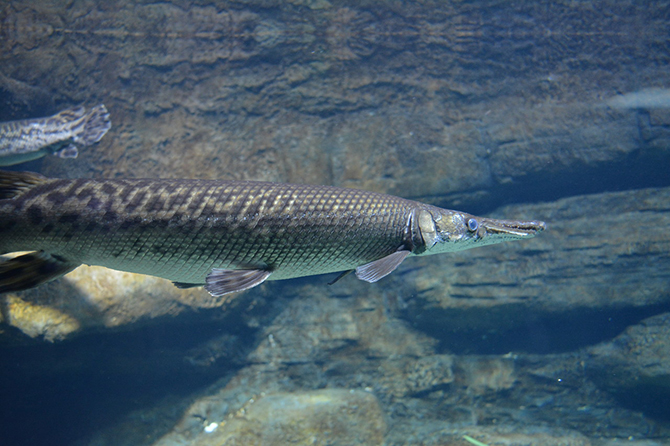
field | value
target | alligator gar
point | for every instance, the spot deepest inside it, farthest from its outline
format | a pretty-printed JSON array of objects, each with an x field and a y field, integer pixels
[
  {"x": 225, "y": 235},
  {"x": 60, "y": 134}
]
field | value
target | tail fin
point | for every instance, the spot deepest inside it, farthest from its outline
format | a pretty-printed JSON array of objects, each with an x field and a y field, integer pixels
[
  {"x": 13, "y": 184},
  {"x": 96, "y": 124},
  {"x": 30, "y": 270}
]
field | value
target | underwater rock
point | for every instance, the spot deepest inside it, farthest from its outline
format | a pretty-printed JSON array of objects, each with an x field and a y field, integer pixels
[
  {"x": 319, "y": 417},
  {"x": 408, "y": 376},
  {"x": 317, "y": 342},
  {"x": 21, "y": 100},
  {"x": 457, "y": 102},
  {"x": 431, "y": 398},
  {"x": 588, "y": 275},
  {"x": 38, "y": 320},
  {"x": 481, "y": 375},
  {"x": 333, "y": 325},
  {"x": 498, "y": 435},
  {"x": 222, "y": 348},
  {"x": 92, "y": 298},
  {"x": 636, "y": 363},
  {"x": 320, "y": 340}
]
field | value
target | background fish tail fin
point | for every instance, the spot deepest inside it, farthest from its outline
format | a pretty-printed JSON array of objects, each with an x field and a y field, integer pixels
[{"x": 95, "y": 125}]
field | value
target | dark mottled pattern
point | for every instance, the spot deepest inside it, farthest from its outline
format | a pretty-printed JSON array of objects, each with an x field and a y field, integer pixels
[
  {"x": 34, "y": 215},
  {"x": 181, "y": 229}
]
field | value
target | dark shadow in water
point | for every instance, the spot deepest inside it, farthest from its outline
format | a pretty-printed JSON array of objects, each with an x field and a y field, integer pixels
[
  {"x": 56, "y": 394},
  {"x": 650, "y": 400},
  {"x": 633, "y": 172},
  {"x": 564, "y": 332},
  {"x": 638, "y": 170}
]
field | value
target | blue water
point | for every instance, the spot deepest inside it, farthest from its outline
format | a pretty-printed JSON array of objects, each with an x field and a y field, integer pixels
[{"x": 529, "y": 109}]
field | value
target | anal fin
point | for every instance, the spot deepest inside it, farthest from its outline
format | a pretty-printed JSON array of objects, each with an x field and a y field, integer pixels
[
  {"x": 342, "y": 274},
  {"x": 373, "y": 271},
  {"x": 186, "y": 285},
  {"x": 32, "y": 269},
  {"x": 224, "y": 281}
]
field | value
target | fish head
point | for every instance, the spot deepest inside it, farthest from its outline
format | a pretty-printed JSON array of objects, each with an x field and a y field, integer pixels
[{"x": 437, "y": 230}]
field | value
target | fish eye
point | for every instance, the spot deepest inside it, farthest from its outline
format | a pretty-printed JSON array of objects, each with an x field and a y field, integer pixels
[{"x": 473, "y": 225}]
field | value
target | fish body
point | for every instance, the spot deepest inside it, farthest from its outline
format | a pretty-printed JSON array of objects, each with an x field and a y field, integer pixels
[
  {"x": 225, "y": 235},
  {"x": 648, "y": 98},
  {"x": 60, "y": 134}
]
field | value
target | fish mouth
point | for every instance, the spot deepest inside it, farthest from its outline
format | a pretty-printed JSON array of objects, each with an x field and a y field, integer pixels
[{"x": 513, "y": 227}]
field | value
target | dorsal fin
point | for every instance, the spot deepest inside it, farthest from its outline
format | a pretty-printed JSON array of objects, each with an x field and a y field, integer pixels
[{"x": 13, "y": 184}]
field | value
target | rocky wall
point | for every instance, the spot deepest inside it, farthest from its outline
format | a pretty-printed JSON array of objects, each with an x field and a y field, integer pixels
[{"x": 450, "y": 101}]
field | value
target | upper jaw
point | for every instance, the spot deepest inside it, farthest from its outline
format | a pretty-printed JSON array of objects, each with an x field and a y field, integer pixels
[{"x": 511, "y": 228}]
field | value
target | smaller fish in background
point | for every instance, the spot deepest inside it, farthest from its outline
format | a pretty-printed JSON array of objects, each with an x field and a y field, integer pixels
[
  {"x": 648, "y": 98},
  {"x": 60, "y": 134}
]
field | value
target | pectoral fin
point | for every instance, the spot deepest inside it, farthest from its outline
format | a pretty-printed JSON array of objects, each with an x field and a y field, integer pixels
[
  {"x": 30, "y": 270},
  {"x": 373, "y": 271},
  {"x": 15, "y": 184},
  {"x": 224, "y": 281}
]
